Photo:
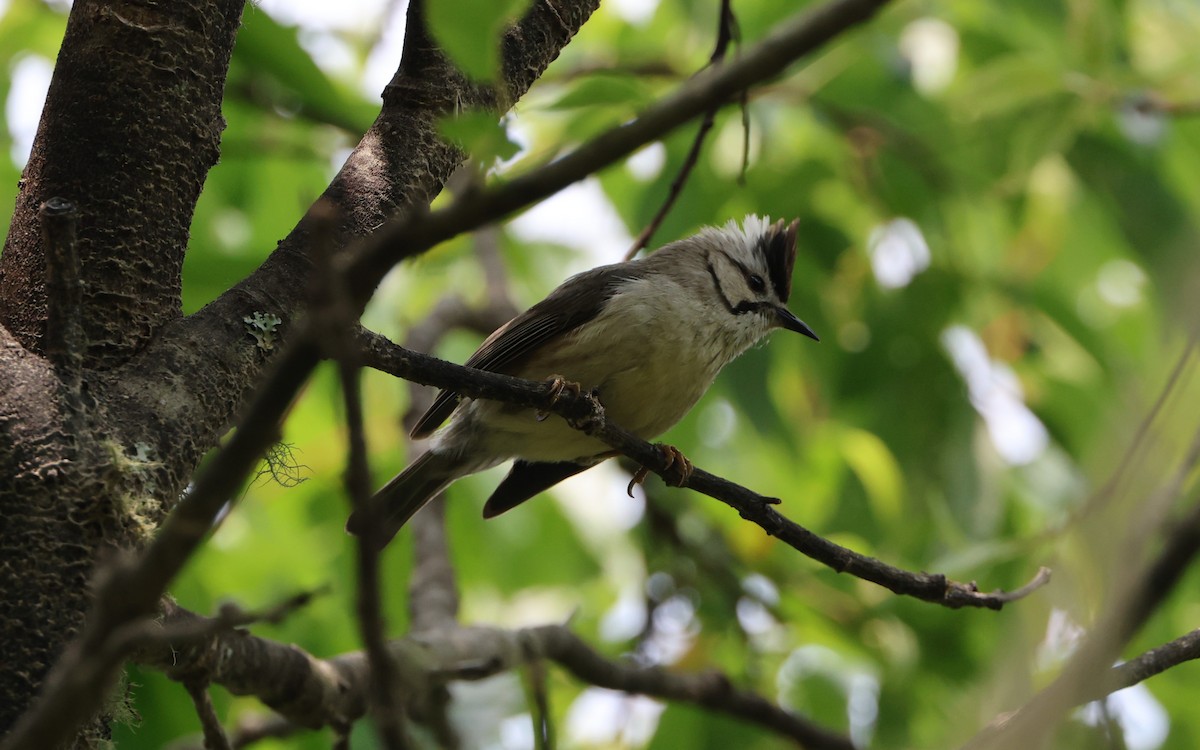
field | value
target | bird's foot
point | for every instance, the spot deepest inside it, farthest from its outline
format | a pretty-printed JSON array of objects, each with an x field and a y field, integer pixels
[
  {"x": 678, "y": 469},
  {"x": 557, "y": 385},
  {"x": 676, "y": 473}
]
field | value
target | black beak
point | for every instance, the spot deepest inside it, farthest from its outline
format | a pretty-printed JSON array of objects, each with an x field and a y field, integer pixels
[{"x": 792, "y": 323}]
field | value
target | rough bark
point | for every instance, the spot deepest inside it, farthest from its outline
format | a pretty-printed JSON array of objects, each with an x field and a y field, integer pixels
[{"x": 131, "y": 126}]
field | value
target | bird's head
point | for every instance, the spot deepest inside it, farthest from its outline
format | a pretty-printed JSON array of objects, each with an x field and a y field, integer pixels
[{"x": 751, "y": 270}]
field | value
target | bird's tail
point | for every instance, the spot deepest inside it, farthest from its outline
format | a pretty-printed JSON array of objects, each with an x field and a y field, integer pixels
[{"x": 398, "y": 500}]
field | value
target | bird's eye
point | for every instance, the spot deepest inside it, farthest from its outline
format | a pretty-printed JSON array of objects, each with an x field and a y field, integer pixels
[{"x": 757, "y": 285}]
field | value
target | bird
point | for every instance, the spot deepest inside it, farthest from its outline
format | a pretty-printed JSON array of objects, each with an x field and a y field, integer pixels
[{"x": 647, "y": 336}]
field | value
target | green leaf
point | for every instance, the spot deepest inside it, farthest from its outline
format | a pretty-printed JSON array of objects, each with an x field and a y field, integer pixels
[
  {"x": 469, "y": 32},
  {"x": 270, "y": 63},
  {"x": 1008, "y": 85},
  {"x": 604, "y": 90},
  {"x": 876, "y": 468},
  {"x": 481, "y": 135}
]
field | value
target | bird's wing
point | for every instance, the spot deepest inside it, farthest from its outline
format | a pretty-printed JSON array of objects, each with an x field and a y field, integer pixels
[{"x": 578, "y": 300}]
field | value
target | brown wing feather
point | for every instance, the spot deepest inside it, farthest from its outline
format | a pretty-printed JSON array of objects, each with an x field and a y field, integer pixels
[{"x": 576, "y": 301}]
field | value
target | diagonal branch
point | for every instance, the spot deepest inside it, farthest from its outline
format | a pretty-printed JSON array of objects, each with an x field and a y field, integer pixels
[
  {"x": 1153, "y": 662},
  {"x": 586, "y": 413}
]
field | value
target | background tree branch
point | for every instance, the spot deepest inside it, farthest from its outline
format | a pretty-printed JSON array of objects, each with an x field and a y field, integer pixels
[{"x": 312, "y": 692}]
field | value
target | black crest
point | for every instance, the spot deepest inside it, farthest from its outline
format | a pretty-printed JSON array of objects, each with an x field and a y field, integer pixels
[{"x": 778, "y": 247}]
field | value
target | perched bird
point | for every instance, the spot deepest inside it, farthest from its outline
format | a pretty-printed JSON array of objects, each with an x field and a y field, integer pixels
[{"x": 649, "y": 335}]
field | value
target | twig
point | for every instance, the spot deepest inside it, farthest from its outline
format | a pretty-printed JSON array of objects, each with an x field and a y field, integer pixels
[
  {"x": 251, "y": 729},
  {"x": 214, "y": 733},
  {"x": 726, "y": 25},
  {"x": 1103, "y": 495},
  {"x": 386, "y": 708},
  {"x": 710, "y": 559},
  {"x": 585, "y": 411},
  {"x": 1153, "y": 662},
  {"x": 535, "y": 691},
  {"x": 231, "y": 616},
  {"x": 1153, "y": 102},
  {"x": 712, "y": 690},
  {"x": 433, "y": 588}
]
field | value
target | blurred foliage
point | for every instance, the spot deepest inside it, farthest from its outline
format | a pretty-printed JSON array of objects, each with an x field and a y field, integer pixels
[{"x": 998, "y": 208}]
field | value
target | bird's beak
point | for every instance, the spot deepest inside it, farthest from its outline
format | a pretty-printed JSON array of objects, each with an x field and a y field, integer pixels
[{"x": 792, "y": 323}]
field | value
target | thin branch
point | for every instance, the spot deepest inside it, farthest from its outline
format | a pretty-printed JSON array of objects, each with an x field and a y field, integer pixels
[
  {"x": 1155, "y": 103},
  {"x": 1153, "y": 662},
  {"x": 231, "y": 616},
  {"x": 586, "y": 413},
  {"x": 709, "y": 557},
  {"x": 214, "y": 733},
  {"x": 711, "y": 690},
  {"x": 386, "y": 708},
  {"x": 74, "y": 688},
  {"x": 251, "y": 729},
  {"x": 726, "y": 30},
  {"x": 433, "y": 588},
  {"x": 543, "y": 722},
  {"x": 1103, "y": 495}
]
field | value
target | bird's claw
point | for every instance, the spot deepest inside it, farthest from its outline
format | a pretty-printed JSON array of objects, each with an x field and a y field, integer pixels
[
  {"x": 678, "y": 469},
  {"x": 557, "y": 386},
  {"x": 639, "y": 476},
  {"x": 676, "y": 473}
]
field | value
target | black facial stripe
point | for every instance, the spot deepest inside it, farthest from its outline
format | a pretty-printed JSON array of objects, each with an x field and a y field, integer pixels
[
  {"x": 741, "y": 267},
  {"x": 740, "y": 308},
  {"x": 721, "y": 292}
]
